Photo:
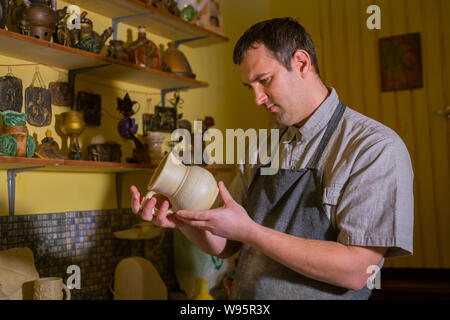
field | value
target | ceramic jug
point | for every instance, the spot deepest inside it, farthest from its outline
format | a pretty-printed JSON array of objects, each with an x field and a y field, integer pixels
[{"x": 186, "y": 187}]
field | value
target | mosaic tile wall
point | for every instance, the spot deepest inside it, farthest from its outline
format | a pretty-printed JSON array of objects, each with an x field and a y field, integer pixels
[{"x": 86, "y": 239}]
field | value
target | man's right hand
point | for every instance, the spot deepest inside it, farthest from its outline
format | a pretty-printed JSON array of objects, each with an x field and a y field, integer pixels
[{"x": 143, "y": 207}]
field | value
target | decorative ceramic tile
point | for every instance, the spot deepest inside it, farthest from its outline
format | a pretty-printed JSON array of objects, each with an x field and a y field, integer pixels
[{"x": 85, "y": 239}]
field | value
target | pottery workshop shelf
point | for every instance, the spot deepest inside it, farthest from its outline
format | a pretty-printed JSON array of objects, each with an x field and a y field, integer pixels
[
  {"x": 156, "y": 21},
  {"x": 16, "y": 165},
  {"x": 40, "y": 51}
]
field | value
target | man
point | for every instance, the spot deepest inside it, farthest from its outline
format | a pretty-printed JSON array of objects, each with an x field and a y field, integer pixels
[{"x": 341, "y": 201}]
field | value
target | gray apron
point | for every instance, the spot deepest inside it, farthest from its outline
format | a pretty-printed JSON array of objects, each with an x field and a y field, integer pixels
[{"x": 291, "y": 202}]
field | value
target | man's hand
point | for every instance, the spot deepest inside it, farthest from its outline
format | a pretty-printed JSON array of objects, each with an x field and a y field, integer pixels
[
  {"x": 146, "y": 212},
  {"x": 230, "y": 221}
]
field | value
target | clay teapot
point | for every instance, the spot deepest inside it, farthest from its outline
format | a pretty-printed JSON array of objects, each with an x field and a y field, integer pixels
[
  {"x": 36, "y": 18},
  {"x": 89, "y": 39},
  {"x": 186, "y": 187}
]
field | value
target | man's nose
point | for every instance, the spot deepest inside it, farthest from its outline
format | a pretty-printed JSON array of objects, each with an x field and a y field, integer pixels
[{"x": 260, "y": 96}]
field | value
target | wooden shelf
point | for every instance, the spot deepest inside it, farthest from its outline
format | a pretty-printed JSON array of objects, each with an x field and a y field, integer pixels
[
  {"x": 40, "y": 51},
  {"x": 56, "y": 165},
  {"x": 158, "y": 22}
]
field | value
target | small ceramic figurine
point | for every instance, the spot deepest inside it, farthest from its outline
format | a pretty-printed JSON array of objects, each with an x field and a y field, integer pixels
[{"x": 49, "y": 148}]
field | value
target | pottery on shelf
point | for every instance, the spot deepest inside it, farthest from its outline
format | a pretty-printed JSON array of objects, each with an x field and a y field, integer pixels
[
  {"x": 36, "y": 18},
  {"x": 176, "y": 62},
  {"x": 186, "y": 187},
  {"x": 154, "y": 142},
  {"x": 16, "y": 142},
  {"x": 144, "y": 52},
  {"x": 72, "y": 124},
  {"x": 117, "y": 51},
  {"x": 89, "y": 40}
]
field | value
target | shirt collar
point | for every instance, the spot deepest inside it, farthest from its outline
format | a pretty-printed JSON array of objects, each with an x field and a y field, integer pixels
[{"x": 318, "y": 120}]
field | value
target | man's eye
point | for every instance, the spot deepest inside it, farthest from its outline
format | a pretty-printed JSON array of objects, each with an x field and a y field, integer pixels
[{"x": 264, "y": 81}]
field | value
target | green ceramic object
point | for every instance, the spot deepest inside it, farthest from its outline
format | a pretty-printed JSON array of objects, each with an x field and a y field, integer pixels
[
  {"x": 188, "y": 13},
  {"x": 8, "y": 145},
  {"x": 13, "y": 118},
  {"x": 89, "y": 44},
  {"x": 31, "y": 146}
]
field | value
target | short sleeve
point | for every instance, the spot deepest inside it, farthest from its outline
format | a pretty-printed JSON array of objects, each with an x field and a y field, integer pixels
[{"x": 376, "y": 206}]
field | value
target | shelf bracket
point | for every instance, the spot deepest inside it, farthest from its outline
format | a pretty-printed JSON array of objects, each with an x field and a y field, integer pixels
[
  {"x": 11, "y": 178},
  {"x": 73, "y": 73},
  {"x": 116, "y": 21},
  {"x": 179, "y": 42},
  {"x": 166, "y": 91}
]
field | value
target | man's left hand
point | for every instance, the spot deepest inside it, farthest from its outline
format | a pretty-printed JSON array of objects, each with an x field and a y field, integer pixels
[{"x": 230, "y": 221}]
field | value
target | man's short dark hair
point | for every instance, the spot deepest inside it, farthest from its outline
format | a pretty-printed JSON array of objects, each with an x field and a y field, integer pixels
[{"x": 282, "y": 36}]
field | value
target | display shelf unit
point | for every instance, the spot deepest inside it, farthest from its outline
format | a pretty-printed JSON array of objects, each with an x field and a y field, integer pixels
[
  {"x": 155, "y": 20},
  {"x": 48, "y": 53},
  {"x": 131, "y": 12},
  {"x": 16, "y": 165}
]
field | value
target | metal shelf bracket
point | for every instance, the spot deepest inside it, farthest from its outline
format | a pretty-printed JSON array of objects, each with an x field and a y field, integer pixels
[
  {"x": 11, "y": 179},
  {"x": 116, "y": 21},
  {"x": 73, "y": 73}
]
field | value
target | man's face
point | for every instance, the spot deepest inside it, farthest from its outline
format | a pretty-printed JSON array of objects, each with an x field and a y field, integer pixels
[{"x": 277, "y": 89}]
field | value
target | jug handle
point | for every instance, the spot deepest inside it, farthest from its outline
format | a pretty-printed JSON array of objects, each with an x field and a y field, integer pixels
[
  {"x": 155, "y": 211},
  {"x": 67, "y": 290}
]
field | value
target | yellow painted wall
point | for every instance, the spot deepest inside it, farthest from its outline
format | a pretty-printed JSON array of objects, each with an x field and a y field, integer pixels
[
  {"x": 225, "y": 99},
  {"x": 349, "y": 61},
  {"x": 348, "y": 58}
]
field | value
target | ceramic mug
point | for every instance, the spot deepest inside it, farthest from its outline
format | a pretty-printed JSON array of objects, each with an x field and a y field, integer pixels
[
  {"x": 50, "y": 289},
  {"x": 186, "y": 187}
]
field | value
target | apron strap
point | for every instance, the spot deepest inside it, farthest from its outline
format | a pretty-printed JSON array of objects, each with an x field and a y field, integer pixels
[{"x": 331, "y": 127}]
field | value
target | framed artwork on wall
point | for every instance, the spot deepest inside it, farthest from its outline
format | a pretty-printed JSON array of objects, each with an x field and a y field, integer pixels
[
  {"x": 401, "y": 62},
  {"x": 165, "y": 119}
]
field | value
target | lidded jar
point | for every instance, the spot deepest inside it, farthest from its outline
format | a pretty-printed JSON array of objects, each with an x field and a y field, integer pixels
[{"x": 176, "y": 62}]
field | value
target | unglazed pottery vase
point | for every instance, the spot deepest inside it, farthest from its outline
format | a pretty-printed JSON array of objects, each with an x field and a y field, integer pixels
[
  {"x": 50, "y": 289},
  {"x": 186, "y": 187}
]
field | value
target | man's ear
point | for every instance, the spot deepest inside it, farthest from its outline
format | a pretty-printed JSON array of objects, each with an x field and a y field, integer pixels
[{"x": 301, "y": 62}]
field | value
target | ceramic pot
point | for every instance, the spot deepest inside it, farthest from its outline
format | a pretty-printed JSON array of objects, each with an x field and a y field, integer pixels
[
  {"x": 20, "y": 133},
  {"x": 154, "y": 141},
  {"x": 176, "y": 62},
  {"x": 50, "y": 288},
  {"x": 186, "y": 187},
  {"x": 116, "y": 50},
  {"x": 37, "y": 19}
]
